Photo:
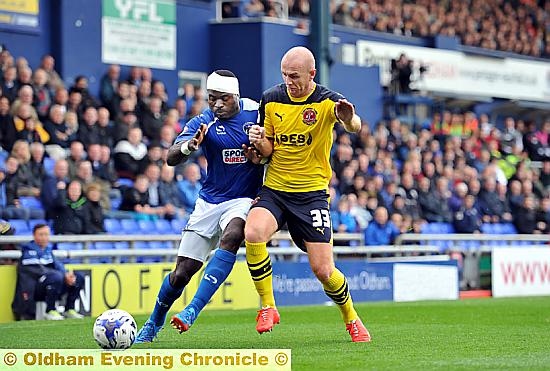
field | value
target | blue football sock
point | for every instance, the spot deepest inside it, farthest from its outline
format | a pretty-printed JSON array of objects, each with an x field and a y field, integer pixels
[
  {"x": 215, "y": 274},
  {"x": 165, "y": 298}
]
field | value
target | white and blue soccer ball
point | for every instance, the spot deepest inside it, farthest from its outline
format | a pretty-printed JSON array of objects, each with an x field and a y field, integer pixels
[{"x": 115, "y": 329}]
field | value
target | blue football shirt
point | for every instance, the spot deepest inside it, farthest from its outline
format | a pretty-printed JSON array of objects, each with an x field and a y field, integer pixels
[{"x": 229, "y": 174}]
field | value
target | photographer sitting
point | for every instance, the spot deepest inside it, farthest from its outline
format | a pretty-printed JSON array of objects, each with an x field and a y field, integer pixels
[{"x": 41, "y": 277}]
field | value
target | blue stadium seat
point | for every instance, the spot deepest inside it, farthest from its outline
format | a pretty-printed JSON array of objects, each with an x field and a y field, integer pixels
[
  {"x": 21, "y": 227},
  {"x": 33, "y": 222},
  {"x": 71, "y": 246},
  {"x": 487, "y": 228},
  {"x": 125, "y": 182},
  {"x": 49, "y": 164},
  {"x": 102, "y": 246},
  {"x": 509, "y": 228},
  {"x": 163, "y": 226},
  {"x": 115, "y": 203},
  {"x": 129, "y": 226},
  {"x": 178, "y": 225},
  {"x": 113, "y": 226},
  {"x": 147, "y": 227},
  {"x": 31, "y": 202}
]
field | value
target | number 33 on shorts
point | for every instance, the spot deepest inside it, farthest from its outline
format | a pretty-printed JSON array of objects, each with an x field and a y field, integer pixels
[{"x": 320, "y": 218}]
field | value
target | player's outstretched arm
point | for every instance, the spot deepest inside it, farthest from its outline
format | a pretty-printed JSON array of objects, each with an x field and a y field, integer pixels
[
  {"x": 180, "y": 152},
  {"x": 345, "y": 113}
]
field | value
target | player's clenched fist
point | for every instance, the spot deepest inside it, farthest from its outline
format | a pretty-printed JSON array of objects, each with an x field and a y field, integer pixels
[{"x": 256, "y": 134}]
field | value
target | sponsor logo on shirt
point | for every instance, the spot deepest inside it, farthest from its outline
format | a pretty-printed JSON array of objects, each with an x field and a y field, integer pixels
[
  {"x": 233, "y": 156},
  {"x": 220, "y": 129},
  {"x": 309, "y": 116}
]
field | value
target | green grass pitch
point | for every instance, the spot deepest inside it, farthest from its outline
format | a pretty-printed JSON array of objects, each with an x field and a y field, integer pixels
[{"x": 484, "y": 334}]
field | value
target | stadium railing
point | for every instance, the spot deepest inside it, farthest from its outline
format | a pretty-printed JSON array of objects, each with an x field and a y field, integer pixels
[
  {"x": 89, "y": 250},
  {"x": 472, "y": 247}
]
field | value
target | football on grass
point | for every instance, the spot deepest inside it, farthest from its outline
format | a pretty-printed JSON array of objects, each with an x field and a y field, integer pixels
[{"x": 115, "y": 329}]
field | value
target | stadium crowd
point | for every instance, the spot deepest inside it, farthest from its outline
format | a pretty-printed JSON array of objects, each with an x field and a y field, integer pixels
[
  {"x": 74, "y": 158},
  {"x": 520, "y": 26}
]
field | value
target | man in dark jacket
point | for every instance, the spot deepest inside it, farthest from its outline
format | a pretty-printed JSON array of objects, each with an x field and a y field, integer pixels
[{"x": 41, "y": 277}]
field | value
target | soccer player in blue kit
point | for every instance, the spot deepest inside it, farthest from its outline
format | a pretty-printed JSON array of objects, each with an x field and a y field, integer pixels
[{"x": 234, "y": 177}]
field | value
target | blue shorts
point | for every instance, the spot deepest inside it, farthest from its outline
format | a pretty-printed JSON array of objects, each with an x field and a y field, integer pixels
[{"x": 305, "y": 213}]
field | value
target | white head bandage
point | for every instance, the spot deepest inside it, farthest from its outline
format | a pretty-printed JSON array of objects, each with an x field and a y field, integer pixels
[{"x": 224, "y": 84}]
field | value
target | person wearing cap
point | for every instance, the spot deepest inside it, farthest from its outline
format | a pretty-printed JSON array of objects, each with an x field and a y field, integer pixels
[{"x": 234, "y": 177}]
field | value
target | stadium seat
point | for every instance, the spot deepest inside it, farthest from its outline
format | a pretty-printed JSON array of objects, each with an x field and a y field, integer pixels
[
  {"x": 178, "y": 225},
  {"x": 49, "y": 164},
  {"x": 31, "y": 202},
  {"x": 33, "y": 222},
  {"x": 509, "y": 228},
  {"x": 102, "y": 246},
  {"x": 487, "y": 228},
  {"x": 129, "y": 226},
  {"x": 112, "y": 226},
  {"x": 71, "y": 246},
  {"x": 163, "y": 226},
  {"x": 125, "y": 182},
  {"x": 147, "y": 227},
  {"x": 21, "y": 227}
]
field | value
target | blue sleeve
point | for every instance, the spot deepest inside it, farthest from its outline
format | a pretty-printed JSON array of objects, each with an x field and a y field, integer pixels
[{"x": 59, "y": 266}]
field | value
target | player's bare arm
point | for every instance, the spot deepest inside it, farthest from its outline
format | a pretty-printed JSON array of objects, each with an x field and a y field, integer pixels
[
  {"x": 345, "y": 113},
  {"x": 257, "y": 138},
  {"x": 181, "y": 151}
]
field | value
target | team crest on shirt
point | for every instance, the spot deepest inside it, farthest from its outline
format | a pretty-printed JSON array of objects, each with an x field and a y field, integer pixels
[{"x": 309, "y": 116}]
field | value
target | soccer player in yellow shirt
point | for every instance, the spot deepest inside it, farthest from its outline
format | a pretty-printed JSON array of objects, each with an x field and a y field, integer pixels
[{"x": 296, "y": 120}]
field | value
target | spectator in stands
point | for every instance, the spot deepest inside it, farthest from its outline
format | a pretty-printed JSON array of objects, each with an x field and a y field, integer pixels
[
  {"x": 136, "y": 200},
  {"x": 9, "y": 182},
  {"x": 88, "y": 131},
  {"x": 342, "y": 219},
  {"x": 108, "y": 84},
  {"x": 156, "y": 198},
  {"x": 27, "y": 127},
  {"x": 543, "y": 216},
  {"x": 107, "y": 167},
  {"x": 127, "y": 121},
  {"x": 36, "y": 163},
  {"x": 60, "y": 134},
  {"x": 27, "y": 185},
  {"x": 48, "y": 65},
  {"x": 467, "y": 218},
  {"x": 75, "y": 104},
  {"x": 25, "y": 96},
  {"x": 152, "y": 120},
  {"x": 190, "y": 186},
  {"x": 8, "y": 132},
  {"x": 430, "y": 203},
  {"x": 81, "y": 86},
  {"x": 96, "y": 217},
  {"x": 85, "y": 175},
  {"x": 52, "y": 187},
  {"x": 76, "y": 154},
  {"x": 71, "y": 214},
  {"x": 525, "y": 219},
  {"x": 105, "y": 127},
  {"x": 130, "y": 155},
  {"x": 380, "y": 230},
  {"x": 167, "y": 136},
  {"x": 42, "y": 93},
  {"x": 9, "y": 84},
  {"x": 457, "y": 199},
  {"x": 168, "y": 190},
  {"x": 42, "y": 276},
  {"x": 494, "y": 209}
]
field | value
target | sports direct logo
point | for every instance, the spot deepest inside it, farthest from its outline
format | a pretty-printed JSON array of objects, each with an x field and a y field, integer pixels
[{"x": 233, "y": 156}]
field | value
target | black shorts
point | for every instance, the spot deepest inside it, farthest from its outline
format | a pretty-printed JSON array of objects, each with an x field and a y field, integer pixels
[{"x": 306, "y": 214}]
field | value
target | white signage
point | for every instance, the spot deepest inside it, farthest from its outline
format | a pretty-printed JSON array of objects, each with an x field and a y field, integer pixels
[
  {"x": 413, "y": 282},
  {"x": 139, "y": 33},
  {"x": 458, "y": 73},
  {"x": 522, "y": 271}
]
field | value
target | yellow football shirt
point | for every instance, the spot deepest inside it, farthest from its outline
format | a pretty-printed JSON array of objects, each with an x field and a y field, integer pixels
[{"x": 301, "y": 130}]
